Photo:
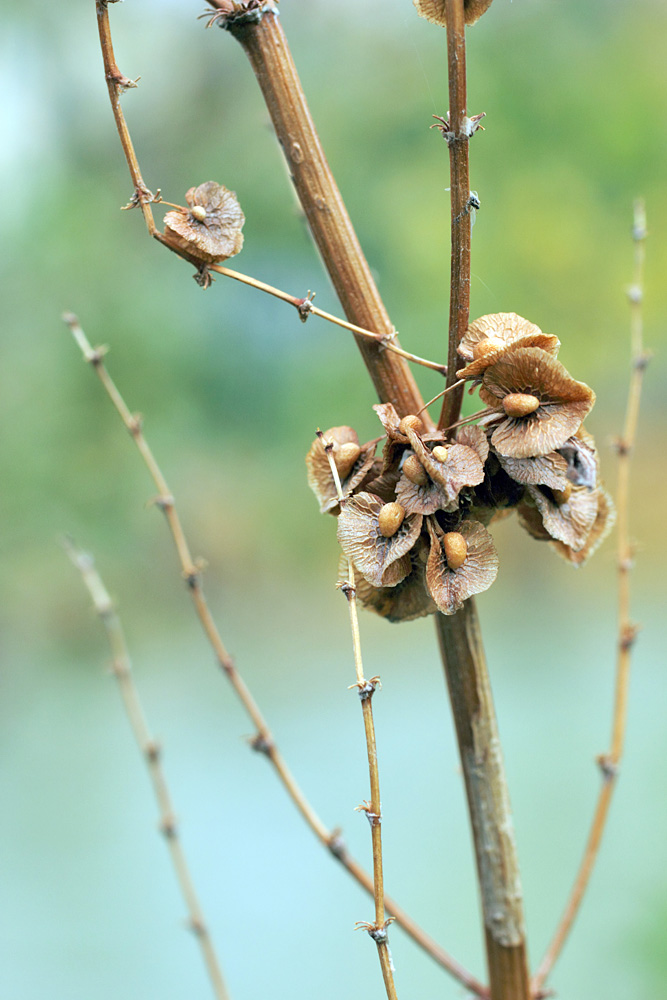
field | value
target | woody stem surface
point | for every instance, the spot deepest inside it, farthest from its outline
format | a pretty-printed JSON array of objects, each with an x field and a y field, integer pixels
[{"x": 266, "y": 47}]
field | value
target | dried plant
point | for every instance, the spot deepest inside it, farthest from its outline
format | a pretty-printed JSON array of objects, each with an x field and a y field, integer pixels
[{"x": 415, "y": 522}]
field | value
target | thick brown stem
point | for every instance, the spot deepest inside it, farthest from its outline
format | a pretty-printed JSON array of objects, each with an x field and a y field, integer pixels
[
  {"x": 488, "y": 802},
  {"x": 266, "y": 47}
]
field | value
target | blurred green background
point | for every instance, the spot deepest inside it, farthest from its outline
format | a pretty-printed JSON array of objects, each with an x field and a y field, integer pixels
[{"x": 232, "y": 388}]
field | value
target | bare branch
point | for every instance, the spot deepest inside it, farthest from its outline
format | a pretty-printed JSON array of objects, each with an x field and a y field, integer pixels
[
  {"x": 152, "y": 753},
  {"x": 610, "y": 761}
]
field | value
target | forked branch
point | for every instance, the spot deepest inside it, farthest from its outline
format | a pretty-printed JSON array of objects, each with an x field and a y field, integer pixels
[
  {"x": 609, "y": 762},
  {"x": 152, "y": 753}
]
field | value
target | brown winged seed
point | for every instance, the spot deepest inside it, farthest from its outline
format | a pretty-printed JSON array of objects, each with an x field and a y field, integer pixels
[
  {"x": 210, "y": 228},
  {"x": 345, "y": 446},
  {"x": 489, "y": 337},
  {"x": 450, "y": 586},
  {"x": 563, "y": 402},
  {"x": 382, "y": 560}
]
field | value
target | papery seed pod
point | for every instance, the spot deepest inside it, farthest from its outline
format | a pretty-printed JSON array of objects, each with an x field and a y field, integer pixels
[
  {"x": 440, "y": 453},
  {"x": 488, "y": 346},
  {"x": 520, "y": 404},
  {"x": 412, "y": 423},
  {"x": 456, "y": 549},
  {"x": 390, "y": 519},
  {"x": 320, "y": 477},
  {"x": 563, "y": 402},
  {"x": 210, "y": 228},
  {"x": 415, "y": 471},
  {"x": 434, "y": 10}
]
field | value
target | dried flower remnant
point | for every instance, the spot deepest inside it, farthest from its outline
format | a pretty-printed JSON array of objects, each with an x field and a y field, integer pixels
[
  {"x": 460, "y": 564},
  {"x": 381, "y": 558},
  {"x": 486, "y": 340},
  {"x": 434, "y": 10},
  {"x": 568, "y": 515},
  {"x": 543, "y": 470},
  {"x": 209, "y": 229},
  {"x": 353, "y": 461},
  {"x": 581, "y": 456},
  {"x": 523, "y": 428},
  {"x": 604, "y": 521}
]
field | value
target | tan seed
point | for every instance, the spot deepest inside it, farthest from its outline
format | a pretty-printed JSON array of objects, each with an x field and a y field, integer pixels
[
  {"x": 440, "y": 453},
  {"x": 346, "y": 455},
  {"x": 455, "y": 548},
  {"x": 520, "y": 404},
  {"x": 411, "y": 422},
  {"x": 562, "y": 496},
  {"x": 487, "y": 346},
  {"x": 198, "y": 212},
  {"x": 415, "y": 471},
  {"x": 390, "y": 519}
]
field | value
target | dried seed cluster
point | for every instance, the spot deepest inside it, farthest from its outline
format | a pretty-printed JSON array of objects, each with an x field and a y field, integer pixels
[{"x": 414, "y": 521}]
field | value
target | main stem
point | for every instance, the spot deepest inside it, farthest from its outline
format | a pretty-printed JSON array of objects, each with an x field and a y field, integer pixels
[
  {"x": 488, "y": 802},
  {"x": 459, "y": 635},
  {"x": 266, "y": 47},
  {"x": 460, "y": 641}
]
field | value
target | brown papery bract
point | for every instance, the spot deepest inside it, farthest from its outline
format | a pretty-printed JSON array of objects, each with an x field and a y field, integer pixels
[
  {"x": 503, "y": 330},
  {"x": 434, "y": 10},
  {"x": 563, "y": 402},
  {"x": 320, "y": 479},
  {"x": 381, "y": 560},
  {"x": 449, "y": 587},
  {"x": 210, "y": 229},
  {"x": 572, "y": 520}
]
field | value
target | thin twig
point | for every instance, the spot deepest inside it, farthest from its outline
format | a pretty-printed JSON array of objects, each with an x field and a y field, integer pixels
[
  {"x": 152, "y": 753},
  {"x": 305, "y": 308},
  {"x": 373, "y": 809},
  {"x": 627, "y": 630},
  {"x": 263, "y": 740},
  {"x": 117, "y": 84}
]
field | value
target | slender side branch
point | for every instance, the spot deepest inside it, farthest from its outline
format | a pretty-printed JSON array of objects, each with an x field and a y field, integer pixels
[
  {"x": 458, "y": 137},
  {"x": 117, "y": 84},
  {"x": 306, "y": 308},
  {"x": 264, "y": 42},
  {"x": 373, "y": 809},
  {"x": 627, "y": 630},
  {"x": 263, "y": 741},
  {"x": 152, "y": 753}
]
